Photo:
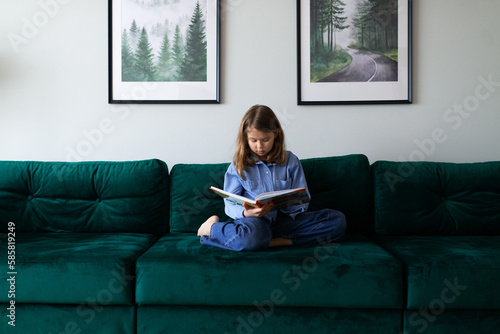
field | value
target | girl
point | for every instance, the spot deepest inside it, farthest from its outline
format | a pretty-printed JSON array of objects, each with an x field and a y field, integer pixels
[{"x": 261, "y": 164}]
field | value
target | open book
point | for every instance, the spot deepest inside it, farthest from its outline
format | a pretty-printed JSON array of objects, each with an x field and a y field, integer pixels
[{"x": 281, "y": 199}]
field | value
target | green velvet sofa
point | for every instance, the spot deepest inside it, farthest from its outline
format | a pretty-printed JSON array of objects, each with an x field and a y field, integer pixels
[
  {"x": 79, "y": 230},
  {"x": 111, "y": 247}
]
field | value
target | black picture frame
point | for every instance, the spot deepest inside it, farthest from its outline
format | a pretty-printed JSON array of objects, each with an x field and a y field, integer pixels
[
  {"x": 135, "y": 82},
  {"x": 391, "y": 81}
]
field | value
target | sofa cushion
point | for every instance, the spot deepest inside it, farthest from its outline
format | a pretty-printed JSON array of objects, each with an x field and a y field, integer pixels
[
  {"x": 95, "y": 197},
  {"x": 425, "y": 321},
  {"x": 265, "y": 319},
  {"x": 191, "y": 200},
  {"x": 449, "y": 272},
  {"x": 429, "y": 198},
  {"x": 357, "y": 273},
  {"x": 69, "y": 319},
  {"x": 340, "y": 183},
  {"x": 74, "y": 268}
]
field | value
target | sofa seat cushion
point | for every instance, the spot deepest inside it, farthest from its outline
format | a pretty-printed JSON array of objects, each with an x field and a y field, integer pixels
[
  {"x": 69, "y": 319},
  {"x": 161, "y": 319},
  {"x": 451, "y": 321},
  {"x": 74, "y": 268},
  {"x": 357, "y": 273},
  {"x": 449, "y": 272}
]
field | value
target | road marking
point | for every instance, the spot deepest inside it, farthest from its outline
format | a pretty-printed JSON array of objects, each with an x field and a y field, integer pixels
[{"x": 376, "y": 69}]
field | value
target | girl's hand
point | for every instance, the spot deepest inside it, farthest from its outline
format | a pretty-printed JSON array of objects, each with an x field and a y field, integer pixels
[{"x": 257, "y": 212}]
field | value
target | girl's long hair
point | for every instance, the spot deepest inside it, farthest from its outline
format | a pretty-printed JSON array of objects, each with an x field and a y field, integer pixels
[{"x": 260, "y": 118}]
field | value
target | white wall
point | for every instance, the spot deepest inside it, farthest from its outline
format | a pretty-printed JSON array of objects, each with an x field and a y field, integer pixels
[{"x": 54, "y": 89}]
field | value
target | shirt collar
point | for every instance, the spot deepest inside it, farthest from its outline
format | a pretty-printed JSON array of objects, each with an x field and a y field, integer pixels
[{"x": 257, "y": 162}]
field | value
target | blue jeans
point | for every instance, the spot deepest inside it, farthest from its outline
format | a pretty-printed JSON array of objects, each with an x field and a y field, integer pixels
[{"x": 251, "y": 234}]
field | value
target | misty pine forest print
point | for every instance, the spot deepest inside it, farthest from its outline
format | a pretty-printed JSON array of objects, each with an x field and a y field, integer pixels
[
  {"x": 354, "y": 40},
  {"x": 164, "y": 40}
]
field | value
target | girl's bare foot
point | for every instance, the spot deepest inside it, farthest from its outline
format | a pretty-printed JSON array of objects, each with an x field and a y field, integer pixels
[
  {"x": 280, "y": 242},
  {"x": 207, "y": 226}
]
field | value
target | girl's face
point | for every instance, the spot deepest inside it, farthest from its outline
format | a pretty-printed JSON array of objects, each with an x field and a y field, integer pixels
[{"x": 260, "y": 143}]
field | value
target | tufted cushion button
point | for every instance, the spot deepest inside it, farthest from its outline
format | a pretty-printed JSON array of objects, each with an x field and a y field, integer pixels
[
  {"x": 98, "y": 200},
  {"x": 30, "y": 197}
]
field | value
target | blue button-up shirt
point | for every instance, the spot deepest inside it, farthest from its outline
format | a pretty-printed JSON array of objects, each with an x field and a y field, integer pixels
[{"x": 263, "y": 178}]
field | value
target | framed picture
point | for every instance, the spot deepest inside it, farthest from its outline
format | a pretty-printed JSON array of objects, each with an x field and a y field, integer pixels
[
  {"x": 164, "y": 51},
  {"x": 354, "y": 51}
]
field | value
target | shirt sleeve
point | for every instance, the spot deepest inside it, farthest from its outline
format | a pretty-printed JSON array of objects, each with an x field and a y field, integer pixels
[
  {"x": 296, "y": 174},
  {"x": 232, "y": 184}
]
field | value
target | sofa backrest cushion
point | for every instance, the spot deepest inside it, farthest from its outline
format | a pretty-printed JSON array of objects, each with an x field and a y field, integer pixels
[
  {"x": 341, "y": 183},
  {"x": 191, "y": 200},
  {"x": 431, "y": 198},
  {"x": 93, "y": 197}
]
